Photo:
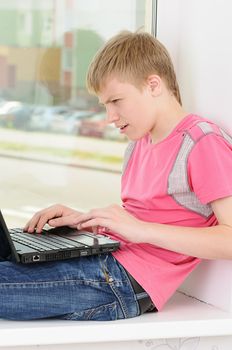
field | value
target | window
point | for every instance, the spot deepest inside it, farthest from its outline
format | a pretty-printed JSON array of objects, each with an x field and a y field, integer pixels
[{"x": 54, "y": 146}]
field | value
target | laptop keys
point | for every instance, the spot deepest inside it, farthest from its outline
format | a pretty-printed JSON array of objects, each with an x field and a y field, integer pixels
[{"x": 42, "y": 242}]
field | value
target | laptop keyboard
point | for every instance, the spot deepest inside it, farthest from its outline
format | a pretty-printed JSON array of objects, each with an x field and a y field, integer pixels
[{"x": 41, "y": 242}]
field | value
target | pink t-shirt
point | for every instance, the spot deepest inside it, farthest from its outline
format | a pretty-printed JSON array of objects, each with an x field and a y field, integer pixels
[{"x": 173, "y": 182}]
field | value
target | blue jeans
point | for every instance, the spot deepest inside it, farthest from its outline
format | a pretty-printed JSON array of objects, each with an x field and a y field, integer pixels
[{"x": 88, "y": 288}]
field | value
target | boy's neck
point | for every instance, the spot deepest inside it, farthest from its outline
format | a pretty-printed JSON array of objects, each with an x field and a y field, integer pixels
[{"x": 168, "y": 119}]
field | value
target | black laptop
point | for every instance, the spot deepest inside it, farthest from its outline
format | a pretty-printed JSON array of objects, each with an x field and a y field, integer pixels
[{"x": 51, "y": 245}]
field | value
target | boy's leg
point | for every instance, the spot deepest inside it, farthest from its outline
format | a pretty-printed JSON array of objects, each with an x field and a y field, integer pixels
[{"x": 88, "y": 288}]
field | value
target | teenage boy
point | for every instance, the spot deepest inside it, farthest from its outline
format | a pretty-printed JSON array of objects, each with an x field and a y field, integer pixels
[{"x": 176, "y": 199}]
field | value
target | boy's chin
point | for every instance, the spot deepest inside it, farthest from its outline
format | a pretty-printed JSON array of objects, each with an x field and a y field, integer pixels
[{"x": 134, "y": 137}]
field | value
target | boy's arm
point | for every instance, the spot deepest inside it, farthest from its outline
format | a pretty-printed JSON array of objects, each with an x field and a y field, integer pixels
[{"x": 213, "y": 242}]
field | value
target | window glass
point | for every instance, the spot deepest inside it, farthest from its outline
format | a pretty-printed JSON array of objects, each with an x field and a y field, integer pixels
[{"x": 54, "y": 145}]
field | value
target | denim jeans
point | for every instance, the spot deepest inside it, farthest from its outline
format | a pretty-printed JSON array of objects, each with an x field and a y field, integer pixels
[{"x": 88, "y": 288}]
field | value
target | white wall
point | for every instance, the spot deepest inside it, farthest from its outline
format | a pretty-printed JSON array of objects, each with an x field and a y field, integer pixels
[{"x": 198, "y": 35}]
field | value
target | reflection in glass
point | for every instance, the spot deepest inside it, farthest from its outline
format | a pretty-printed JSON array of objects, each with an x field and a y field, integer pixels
[
  {"x": 45, "y": 49},
  {"x": 47, "y": 117}
]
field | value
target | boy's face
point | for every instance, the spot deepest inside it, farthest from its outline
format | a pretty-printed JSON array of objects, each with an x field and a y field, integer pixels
[{"x": 131, "y": 110}]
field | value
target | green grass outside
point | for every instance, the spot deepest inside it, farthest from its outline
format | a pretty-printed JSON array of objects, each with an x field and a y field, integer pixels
[{"x": 22, "y": 148}]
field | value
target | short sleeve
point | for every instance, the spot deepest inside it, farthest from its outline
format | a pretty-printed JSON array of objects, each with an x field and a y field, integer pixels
[{"x": 210, "y": 168}]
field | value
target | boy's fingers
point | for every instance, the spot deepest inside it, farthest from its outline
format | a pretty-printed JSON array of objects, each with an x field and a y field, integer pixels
[
  {"x": 69, "y": 220},
  {"x": 40, "y": 219}
]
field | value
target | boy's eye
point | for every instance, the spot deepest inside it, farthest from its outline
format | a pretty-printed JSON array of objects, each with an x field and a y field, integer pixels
[{"x": 116, "y": 100}]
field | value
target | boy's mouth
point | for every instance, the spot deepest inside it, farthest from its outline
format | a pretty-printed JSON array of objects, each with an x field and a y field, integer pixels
[{"x": 123, "y": 126}]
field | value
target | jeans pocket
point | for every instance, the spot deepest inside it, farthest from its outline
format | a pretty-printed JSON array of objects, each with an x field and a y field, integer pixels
[{"x": 106, "y": 312}]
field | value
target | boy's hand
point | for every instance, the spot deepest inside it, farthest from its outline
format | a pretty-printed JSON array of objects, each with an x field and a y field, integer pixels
[
  {"x": 113, "y": 218},
  {"x": 56, "y": 215}
]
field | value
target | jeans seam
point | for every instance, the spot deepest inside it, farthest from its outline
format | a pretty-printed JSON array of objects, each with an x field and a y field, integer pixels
[
  {"x": 119, "y": 299},
  {"x": 89, "y": 313},
  {"x": 47, "y": 284},
  {"x": 112, "y": 284},
  {"x": 130, "y": 286},
  {"x": 93, "y": 310}
]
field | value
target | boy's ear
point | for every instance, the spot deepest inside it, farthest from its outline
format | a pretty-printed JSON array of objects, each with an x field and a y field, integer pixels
[{"x": 154, "y": 84}]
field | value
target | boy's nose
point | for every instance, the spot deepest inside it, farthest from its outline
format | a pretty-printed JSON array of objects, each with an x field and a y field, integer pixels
[{"x": 112, "y": 116}]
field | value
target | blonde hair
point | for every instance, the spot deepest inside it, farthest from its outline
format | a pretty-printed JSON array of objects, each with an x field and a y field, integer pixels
[{"x": 132, "y": 57}]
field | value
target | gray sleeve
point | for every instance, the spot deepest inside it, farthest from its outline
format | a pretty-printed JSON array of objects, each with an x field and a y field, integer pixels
[{"x": 128, "y": 152}]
